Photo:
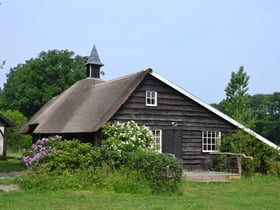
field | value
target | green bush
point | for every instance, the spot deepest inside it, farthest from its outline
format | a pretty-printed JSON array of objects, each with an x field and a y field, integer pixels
[
  {"x": 77, "y": 179},
  {"x": 161, "y": 170},
  {"x": 53, "y": 163},
  {"x": 55, "y": 155},
  {"x": 266, "y": 159}
]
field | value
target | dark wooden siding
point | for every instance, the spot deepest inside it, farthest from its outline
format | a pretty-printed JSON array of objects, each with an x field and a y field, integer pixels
[{"x": 176, "y": 114}]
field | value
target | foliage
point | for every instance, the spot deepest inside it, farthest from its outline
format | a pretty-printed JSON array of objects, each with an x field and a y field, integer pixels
[
  {"x": 131, "y": 146},
  {"x": 16, "y": 142},
  {"x": 266, "y": 109},
  {"x": 127, "y": 137},
  {"x": 2, "y": 64},
  {"x": 266, "y": 159},
  {"x": 161, "y": 170},
  {"x": 237, "y": 102},
  {"x": 54, "y": 155},
  {"x": 136, "y": 169},
  {"x": 32, "y": 84}
]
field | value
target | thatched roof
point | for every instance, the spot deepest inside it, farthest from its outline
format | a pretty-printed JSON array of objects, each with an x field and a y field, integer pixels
[{"x": 84, "y": 107}]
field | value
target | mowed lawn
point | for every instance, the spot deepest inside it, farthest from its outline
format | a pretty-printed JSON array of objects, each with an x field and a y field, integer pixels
[{"x": 256, "y": 192}]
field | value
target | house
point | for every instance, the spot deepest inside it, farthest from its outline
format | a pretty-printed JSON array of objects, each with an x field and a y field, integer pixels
[
  {"x": 4, "y": 124},
  {"x": 182, "y": 124}
]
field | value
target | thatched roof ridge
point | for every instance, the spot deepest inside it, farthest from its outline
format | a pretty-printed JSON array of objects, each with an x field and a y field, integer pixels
[{"x": 84, "y": 107}]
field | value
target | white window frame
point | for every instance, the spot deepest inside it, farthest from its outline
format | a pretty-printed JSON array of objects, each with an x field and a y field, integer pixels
[
  {"x": 151, "y": 98},
  {"x": 211, "y": 141},
  {"x": 157, "y": 133}
]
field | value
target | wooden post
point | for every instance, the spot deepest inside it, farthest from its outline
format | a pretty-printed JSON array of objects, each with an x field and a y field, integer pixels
[
  {"x": 5, "y": 141},
  {"x": 239, "y": 165}
]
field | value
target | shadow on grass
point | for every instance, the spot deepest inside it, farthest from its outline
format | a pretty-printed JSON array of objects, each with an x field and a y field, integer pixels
[{"x": 11, "y": 163}]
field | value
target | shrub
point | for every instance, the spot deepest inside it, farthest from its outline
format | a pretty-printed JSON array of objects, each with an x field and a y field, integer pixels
[
  {"x": 266, "y": 159},
  {"x": 54, "y": 163},
  {"x": 161, "y": 170},
  {"x": 127, "y": 137},
  {"x": 77, "y": 179},
  {"x": 56, "y": 155}
]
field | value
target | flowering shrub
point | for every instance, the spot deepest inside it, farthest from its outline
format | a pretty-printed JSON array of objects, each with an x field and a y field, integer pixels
[
  {"x": 55, "y": 155},
  {"x": 127, "y": 137},
  {"x": 40, "y": 150}
]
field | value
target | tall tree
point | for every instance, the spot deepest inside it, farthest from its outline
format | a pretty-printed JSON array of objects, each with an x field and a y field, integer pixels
[
  {"x": 32, "y": 84},
  {"x": 237, "y": 102}
]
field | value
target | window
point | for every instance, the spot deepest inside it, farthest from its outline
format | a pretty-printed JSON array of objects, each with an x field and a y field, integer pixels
[
  {"x": 151, "y": 98},
  {"x": 157, "y": 139},
  {"x": 211, "y": 141}
]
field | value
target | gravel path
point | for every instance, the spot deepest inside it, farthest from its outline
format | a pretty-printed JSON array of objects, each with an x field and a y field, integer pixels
[{"x": 8, "y": 175}]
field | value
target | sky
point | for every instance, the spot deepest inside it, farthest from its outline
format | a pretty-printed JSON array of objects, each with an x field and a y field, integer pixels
[{"x": 194, "y": 44}]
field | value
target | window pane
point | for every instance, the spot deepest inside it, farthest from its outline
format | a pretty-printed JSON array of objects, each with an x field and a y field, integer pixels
[
  {"x": 151, "y": 98},
  {"x": 211, "y": 140}
]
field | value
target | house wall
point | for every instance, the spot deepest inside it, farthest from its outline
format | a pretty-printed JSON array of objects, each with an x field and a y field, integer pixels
[{"x": 181, "y": 120}]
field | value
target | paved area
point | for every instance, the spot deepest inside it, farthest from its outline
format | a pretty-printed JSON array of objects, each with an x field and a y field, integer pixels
[
  {"x": 209, "y": 176},
  {"x": 8, "y": 175},
  {"x": 5, "y": 175}
]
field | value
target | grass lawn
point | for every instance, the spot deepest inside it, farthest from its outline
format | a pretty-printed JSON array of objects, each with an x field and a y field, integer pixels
[
  {"x": 12, "y": 163},
  {"x": 257, "y": 192}
]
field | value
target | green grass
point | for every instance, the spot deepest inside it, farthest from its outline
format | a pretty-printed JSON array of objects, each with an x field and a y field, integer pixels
[
  {"x": 12, "y": 163},
  {"x": 256, "y": 192}
]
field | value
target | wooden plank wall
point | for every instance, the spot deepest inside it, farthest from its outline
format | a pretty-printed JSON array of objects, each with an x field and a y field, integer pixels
[{"x": 174, "y": 112}]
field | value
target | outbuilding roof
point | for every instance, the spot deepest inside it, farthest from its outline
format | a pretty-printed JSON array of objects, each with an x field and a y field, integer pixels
[{"x": 5, "y": 122}]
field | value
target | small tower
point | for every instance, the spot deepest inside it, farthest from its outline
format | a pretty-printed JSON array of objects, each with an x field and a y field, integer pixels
[{"x": 93, "y": 64}]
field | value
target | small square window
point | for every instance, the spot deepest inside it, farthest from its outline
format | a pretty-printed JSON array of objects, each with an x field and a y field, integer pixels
[
  {"x": 211, "y": 141},
  {"x": 151, "y": 98}
]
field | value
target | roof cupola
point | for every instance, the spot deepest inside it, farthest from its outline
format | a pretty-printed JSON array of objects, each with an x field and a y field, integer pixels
[{"x": 93, "y": 64}]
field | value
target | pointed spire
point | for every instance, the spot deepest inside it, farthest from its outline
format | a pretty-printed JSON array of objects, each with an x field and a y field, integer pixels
[{"x": 93, "y": 64}]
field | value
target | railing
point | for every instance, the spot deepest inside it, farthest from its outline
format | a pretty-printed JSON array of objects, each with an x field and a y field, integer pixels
[{"x": 238, "y": 155}]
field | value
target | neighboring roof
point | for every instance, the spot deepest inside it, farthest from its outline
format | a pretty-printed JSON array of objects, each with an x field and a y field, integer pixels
[
  {"x": 5, "y": 122},
  {"x": 84, "y": 107},
  {"x": 88, "y": 104},
  {"x": 215, "y": 111},
  {"x": 94, "y": 58}
]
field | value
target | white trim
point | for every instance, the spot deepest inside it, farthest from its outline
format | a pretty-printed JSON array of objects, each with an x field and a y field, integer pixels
[{"x": 215, "y": 111}]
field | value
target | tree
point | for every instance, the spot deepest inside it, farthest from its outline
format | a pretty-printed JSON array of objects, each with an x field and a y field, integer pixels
[
  {"x": 16, "y": 142},
  {"x": 32, "y": 84},
  {"x": 238, "y": 105},
  {"x": 2, "y": 64},
  {"x": 266, "y": 108},
  {"x": 237, "y": 102}
]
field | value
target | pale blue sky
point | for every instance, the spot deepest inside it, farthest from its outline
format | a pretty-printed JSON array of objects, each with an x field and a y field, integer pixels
[{"x": 195, "y": 44}]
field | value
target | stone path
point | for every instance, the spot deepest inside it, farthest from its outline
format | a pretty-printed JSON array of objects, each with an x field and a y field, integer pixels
[{"x": 8, "y": 175}]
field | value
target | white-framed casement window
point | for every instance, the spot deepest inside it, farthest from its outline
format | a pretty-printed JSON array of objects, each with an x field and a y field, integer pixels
[
  {"x": 151, "y": 98},
  {"x": 157, "y": 139},
  {"x": 211, "y": 141}
]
